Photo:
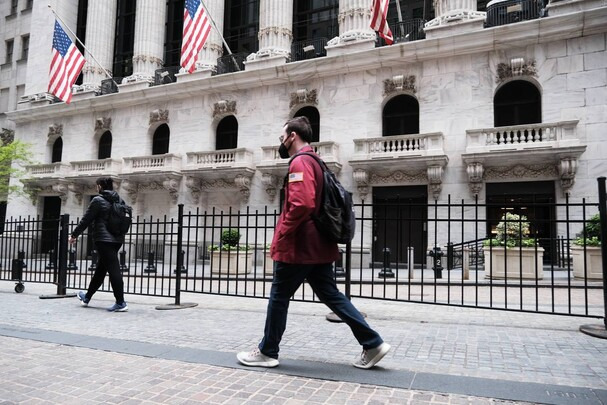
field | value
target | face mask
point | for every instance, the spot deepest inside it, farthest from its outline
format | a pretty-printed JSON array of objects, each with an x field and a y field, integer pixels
[{"x": 283, "y": 151}]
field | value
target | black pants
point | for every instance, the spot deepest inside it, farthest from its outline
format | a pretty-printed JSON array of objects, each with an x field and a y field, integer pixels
[{"x": 107, "y": 263}]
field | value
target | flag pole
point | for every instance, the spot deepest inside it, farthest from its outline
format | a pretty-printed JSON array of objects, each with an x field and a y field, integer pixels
[
  {"x": 400, "y": 18},
  {"x": 80, "y": 42},
  {"x": 220, "y": 34}
]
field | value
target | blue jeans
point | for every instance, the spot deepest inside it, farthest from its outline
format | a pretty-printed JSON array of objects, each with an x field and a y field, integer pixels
[{"x": 287, "y": 279}]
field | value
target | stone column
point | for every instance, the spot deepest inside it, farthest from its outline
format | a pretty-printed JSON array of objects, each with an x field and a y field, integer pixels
[
  {"x": 275, "y": 34},
  {"x": 355, "y": 32},
  {"x": 148, "y": 49},
  {"x": 100, "y": 33},
  {"x": 213, "y": 48},
  {"x": 454, "y": 17}
]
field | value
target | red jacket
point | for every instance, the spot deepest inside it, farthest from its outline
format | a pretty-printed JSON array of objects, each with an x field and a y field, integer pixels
[{"x": 296, "y": 239}]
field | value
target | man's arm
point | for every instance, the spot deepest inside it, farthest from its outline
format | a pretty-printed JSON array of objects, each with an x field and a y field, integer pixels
[{"x": 301, "y": 193}]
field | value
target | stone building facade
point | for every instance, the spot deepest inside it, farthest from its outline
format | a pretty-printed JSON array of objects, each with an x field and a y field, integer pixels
[{"x": 429, "y": 117}]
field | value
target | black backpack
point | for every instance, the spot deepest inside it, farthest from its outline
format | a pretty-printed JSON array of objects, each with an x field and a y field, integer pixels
[
  {"x": 120, "y": 218},
  {"x": 335, "y": 217}
]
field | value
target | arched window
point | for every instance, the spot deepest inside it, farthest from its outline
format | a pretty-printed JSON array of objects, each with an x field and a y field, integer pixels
[
  {"x": 105, "y": 145},
  {"x": 227, "y": 133},
  {"x": 160, "y": 143},
  {"x": 401, "y": 116},
  {"x": 314, "y": 117},
  {"x": 517, "y": 103},
  {"x": 57, "y": 150}
]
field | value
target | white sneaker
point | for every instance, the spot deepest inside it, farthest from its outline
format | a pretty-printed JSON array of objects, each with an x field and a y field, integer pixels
[
  {"x": 369, "y": 358},
  {"x": 256, "y": 358}
]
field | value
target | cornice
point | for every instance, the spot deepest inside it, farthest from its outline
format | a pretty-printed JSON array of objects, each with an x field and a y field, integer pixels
[{"x": 526, "y": 33}]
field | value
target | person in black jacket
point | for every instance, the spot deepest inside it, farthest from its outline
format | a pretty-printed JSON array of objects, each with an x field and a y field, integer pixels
[{"x": 106, "y": 243}]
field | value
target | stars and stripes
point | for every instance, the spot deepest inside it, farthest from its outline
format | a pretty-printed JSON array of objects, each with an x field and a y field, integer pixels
[
  {"x": 196, "y": 29},
  {"x": 379, "y": 12},
  {"x": 66, "y": 64}
]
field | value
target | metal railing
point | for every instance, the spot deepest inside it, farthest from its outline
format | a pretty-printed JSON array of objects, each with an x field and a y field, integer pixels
[
  {"x": 512, "y": 11},
  {"x": 231, "y": 63},
  {"x": 308, "y": 49},
  {"x": 409, "y": 30},
  {"x": 397, "y": 254}
]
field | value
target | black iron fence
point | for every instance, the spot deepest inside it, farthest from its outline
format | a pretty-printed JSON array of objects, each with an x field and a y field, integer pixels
[
  {"x": 533, "y": 257},
  {"x": 512, "y": 11}
]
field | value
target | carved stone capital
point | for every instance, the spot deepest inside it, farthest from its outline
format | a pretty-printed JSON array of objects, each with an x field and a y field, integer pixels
[
  {"x": 435, "y": 180},
  {"x": 516, "y": 67},
  {"x": 475, "y": 172},
  {"x": 244, "y": 185},
  {"x": 270, "y": 181},
  {"x": 361, "y": 177},
  {"x": 224, "y": 107},
  {"x": 304, "y": 96},
  {"x": 567, "y": 170},
  {"x": 399, "y": 83},
  {"x": 103, "y": 123},
  {"x": 193, "y": 184},
  {"x": 77, "y": 190},
  {"x": 172, "y": 186},
  {"x": 131, "y": 188},
  {"x": 159, "y": 115},
  {"x": 55, "y": 130}
]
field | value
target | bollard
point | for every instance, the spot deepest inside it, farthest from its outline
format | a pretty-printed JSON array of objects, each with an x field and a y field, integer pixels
[
  {"x": 94, "y": 259},
  {"x": 386, "y": 271},
  {"x": 123, "y": 267},
  {"x": 151, "y": 267},
  {"x": 339, "y": 265},
  {"x": 437, "y": 254},
  {"x": 71, "y": 254},
  {"x": 51, "y": 260},
  {"x": 183, "y": 269}
]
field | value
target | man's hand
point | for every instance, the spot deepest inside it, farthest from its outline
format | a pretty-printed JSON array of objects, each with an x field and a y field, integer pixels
[{"x": 72, "y": 240}]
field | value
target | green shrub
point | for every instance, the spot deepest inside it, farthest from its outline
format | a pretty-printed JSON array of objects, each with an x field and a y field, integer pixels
[
  {"x": 512, "y": 231},
  {"x": 230, "y": 239},
  {"x": 592, "y": 232}
]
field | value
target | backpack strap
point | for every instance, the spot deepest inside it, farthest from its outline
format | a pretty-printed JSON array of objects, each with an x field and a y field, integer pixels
[{"x": 320, "y": 186}]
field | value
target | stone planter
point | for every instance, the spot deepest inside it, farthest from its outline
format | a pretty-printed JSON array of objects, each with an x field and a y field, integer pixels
[
  {"x": 231, "y": 262},
  {"x": 514, "y": 263},
  {"x": 594, "y": 265},
  {"x": 269, "y": 264}
]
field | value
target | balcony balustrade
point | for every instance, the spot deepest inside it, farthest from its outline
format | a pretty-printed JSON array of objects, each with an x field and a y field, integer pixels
[
  {"x": 47, "y": 170},
  {"x": 220, "y": 163},
  {"x": 99, "y": 167}
]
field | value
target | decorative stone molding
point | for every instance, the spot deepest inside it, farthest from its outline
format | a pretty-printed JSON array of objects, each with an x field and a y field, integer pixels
[
  {"x": 270, "y": 182},
  {"x": 55, "y": 131},
  {"x": 147, "y": 58},
  {"x": 567, "y": 170},
  {"x": 103, "y": 124},
  {"x": 435, "y": 180},
  {"x": 520, "y": 171},
  {"x": 62, "y": 190},
  {"x": 353, "y": 12},
  {"x": 475, "y": 172},
  {"x": 275, "y": 30},
  {"x": 304, "y": 96},
  {"x": 131, "y": 189},
  {"x": 94, "y": 70},
  {"x": 78, "y": 191},
  {"x": 159, "y": 115},
  {"x": 399, "y": 176},
  {"x": 172, "y": 186},
  {"x": 516, "y": 67},
  {"x": 361, "y": 177},
  {"x": 193, "y": 184},
  {"x": 399, "y": 83},
  {"x": 244, "y": 185},
  {"x": 224, "y": 107},
  {"x": 213, "y": 47}
]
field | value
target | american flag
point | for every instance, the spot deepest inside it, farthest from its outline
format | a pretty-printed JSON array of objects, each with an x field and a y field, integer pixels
[
  {"x": 66, "y": 64},
  {"x": 379, "y": 11},
  {"x": 196, "y": 29}
]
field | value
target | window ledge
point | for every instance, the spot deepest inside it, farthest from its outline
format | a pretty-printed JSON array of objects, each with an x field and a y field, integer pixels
[
  {"x": 26, "y": 10},
  {"x": 11, "y": 16},
  {"x": 21, "y": 61},
  {"x": 6, "y": 64}
]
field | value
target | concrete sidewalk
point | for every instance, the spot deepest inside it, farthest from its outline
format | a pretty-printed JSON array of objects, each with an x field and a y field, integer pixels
[{"x": 440, "y": 354}]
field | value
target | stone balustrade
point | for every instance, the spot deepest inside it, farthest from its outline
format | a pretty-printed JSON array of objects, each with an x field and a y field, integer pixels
[
  {"x": 220, "y": 158},
  {"x": 57, "y": 169},
  {"x": 154, "y": 163},
  {"x": 96, "y": 167},
  {"x": 518, "y": 137},
  {"x": 399, "y": 145}
]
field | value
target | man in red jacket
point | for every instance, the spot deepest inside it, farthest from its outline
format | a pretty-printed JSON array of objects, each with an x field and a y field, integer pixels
[{"x": 301, "y": 253}]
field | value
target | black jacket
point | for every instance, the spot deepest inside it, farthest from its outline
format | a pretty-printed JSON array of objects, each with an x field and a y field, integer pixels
[{"x": 96, "y": 214}]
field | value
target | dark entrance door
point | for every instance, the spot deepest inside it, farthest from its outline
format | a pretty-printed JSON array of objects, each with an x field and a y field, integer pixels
[
  {"x": 50, "y": 223},
  {"x": 533, "y": 199},
  {"x": 400, "y": 220}
]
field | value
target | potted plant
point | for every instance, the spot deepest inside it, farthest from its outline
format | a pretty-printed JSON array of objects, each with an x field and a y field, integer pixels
[
  {"x": 587, "y": 247},
  {"x": 513, "y": 254},
  {"x": 231, "y": 257}
]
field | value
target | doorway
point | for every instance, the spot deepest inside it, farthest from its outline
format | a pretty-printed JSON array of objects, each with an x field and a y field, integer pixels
[
  {"x": 400, "y": 217},
  {"x": 51, "y": 212},
  {"x": 535, "y": 200}
]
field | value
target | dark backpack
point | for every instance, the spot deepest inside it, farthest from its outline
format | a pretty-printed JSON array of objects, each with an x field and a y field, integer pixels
[
  {"x": 120, "y": 218},
  {"x": 335, "y": 218}
]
